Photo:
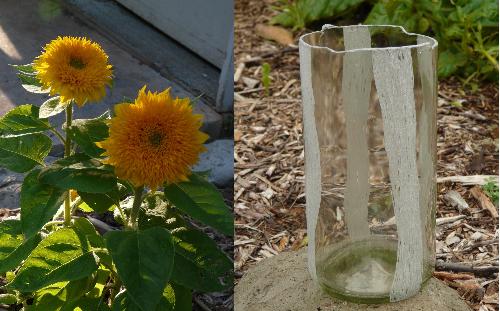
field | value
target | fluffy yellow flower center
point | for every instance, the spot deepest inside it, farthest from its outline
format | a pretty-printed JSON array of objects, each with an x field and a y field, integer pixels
[
  {"x": 76, "y": 62},
  {"x": 156, "y": 138}
]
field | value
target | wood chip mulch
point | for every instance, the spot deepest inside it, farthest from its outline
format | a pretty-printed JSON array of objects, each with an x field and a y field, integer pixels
[{"x": 269, "y": 158}]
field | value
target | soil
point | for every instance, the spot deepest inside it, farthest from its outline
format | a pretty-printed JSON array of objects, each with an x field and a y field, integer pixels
[{"x": 288, "y": 286}]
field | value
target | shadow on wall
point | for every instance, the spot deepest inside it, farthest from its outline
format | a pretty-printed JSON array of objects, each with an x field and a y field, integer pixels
[
  {"x": 21, "y": 39},
  {"x": 26, "y": 26}
]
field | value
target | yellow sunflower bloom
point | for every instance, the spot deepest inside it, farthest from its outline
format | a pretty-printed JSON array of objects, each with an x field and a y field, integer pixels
[
  {"x": 75, "y": 68},
  {"x": 154, "y": 140}
]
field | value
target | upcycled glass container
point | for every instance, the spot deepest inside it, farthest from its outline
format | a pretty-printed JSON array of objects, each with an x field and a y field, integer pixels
[{"x": 369, "y": 111}]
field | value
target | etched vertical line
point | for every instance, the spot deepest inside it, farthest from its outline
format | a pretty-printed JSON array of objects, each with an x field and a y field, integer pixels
[
  {"x": 356, "y": 86},
  {"x": 427, "y": 141},
  {"x": 312, "y": 156},
  {"x": 393, "y": 74}
]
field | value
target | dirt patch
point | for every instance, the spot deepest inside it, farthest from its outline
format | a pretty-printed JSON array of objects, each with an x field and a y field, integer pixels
[{"x": 283, "y": 283}]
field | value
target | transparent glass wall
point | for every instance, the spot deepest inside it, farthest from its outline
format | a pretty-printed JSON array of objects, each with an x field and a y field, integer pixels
[{"x": 369, "y": 101}]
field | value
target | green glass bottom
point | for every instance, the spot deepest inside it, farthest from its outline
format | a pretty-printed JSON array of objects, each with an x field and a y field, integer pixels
[{"x": 360, "y": 272}]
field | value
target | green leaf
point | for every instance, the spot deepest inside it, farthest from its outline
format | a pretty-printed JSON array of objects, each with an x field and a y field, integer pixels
[
  {"x": 300, "y": 13},
  {"x": 39, "y": 203},
  {"x": 449, "y": 63},
  {"x": 199, "y": 264},
  {"x": 13, "y": 248},
  {"x": 23, "y": 119},
  {"x": 26, "y": 69},
  {"x": 52, "y": 107},
  {"x": 123, "y": 302},
  {"x": 81, "y": 173},
  {"x": 21, "y": 153},
  {"x": 89, "y": 131},
  {"x": 29, "y": 80},
  {"x": 86, "y": 230},
  {"x": 46, "y": 299},
  {"x": 288, "y": 20},
  {"x": 168, "y": 299},
  {"x": 102, "y": 202},
  {"x": 200, "y": 199},
  {"x": 61, "y": 256},
  {"x": 99, "y": 202},
  {"x": 61, "y": 296},
  {"x": 8, "y": 299},
  {"x": 85, "y": 208},
  {"x": 174, "y": 298},
  {"x": 144, "y": 261},
  {"x": 99, "y": 281},
  {"x": 183, "y": 297},
  {"x": 156, "y": 212},
  {"x": 93, "y": 304},
  {"x": 378, "y": 15},
  {"x": 31, "y": 83}
]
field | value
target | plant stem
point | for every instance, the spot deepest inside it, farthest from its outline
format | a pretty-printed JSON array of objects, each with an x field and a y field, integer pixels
[
  {"x": 122, "y": 213},
  {"x": 490, "y": 58},
  {"x": 61, "y": 138},
  {"x": 67, "y": 153},
  {"x": 74, "y": 205},
  {"x": 136, "y": 207},
  {"x": 115, "y": 289},
  {"x": 69, "y": 118}
]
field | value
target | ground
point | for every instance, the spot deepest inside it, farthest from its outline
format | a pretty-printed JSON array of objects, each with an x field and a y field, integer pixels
[{"x": 269, "y": 159}]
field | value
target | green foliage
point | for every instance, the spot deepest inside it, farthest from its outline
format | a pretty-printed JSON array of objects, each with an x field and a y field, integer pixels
[
  {"x": 150, "y": 264},
  {"x": 29, "y": 81},
  {"x": 23, "y": 119},
  {"x": 491, "y": 190},
  {"x": 22, "y": 153},
  {"x": 39, "y": 203},
  {"x": 61, "y": 256},
  {"x": 101, "y": 202},
  {"x": 13, "y": 247},
  {"x": 150, "y": 254},
  {"x": 266, "y": 77},
  {"x": 467, "y": 31},
  {"x": 7, "y": 299},
  {"x": 177, "y": 295},
  {"x": 199, "y": 264},
  {"x": 22, "y": 146},
  {"x": 51, "y": 107},
  {"x": 300, "y": 13},
  {"x": 174, "y": 298},
  {"x": 200, "y": 199},
  {"x": 79, "y": 172},
  {"x": 124, "y": 302},
  {"x": 64, "y": 296},
  {"x": 87, "y": 132}
]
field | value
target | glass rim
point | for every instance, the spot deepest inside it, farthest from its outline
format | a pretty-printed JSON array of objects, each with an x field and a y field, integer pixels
[{"x": 429, "y": 40}]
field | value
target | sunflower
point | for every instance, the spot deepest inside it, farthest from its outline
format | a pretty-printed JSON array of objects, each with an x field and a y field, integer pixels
[
  {"x": 75, "y": 68},
  {"x": 155, "y": 140}
]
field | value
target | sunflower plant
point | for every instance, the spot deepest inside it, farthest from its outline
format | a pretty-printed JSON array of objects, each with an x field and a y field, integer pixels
[{"x": 134, "y": 165}]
